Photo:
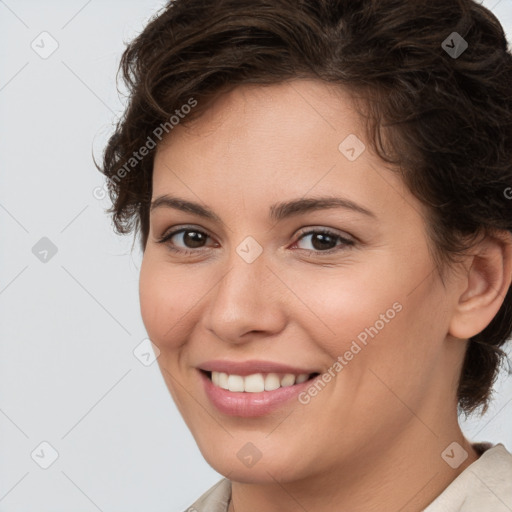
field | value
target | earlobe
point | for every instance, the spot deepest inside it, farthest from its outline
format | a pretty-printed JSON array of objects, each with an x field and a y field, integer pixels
[{"x": 486, "y": 283}]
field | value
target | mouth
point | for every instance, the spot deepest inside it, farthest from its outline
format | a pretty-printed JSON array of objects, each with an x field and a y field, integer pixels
[
  {"x": 256, "y": 382},
  {"x": 255, "y": 394}
]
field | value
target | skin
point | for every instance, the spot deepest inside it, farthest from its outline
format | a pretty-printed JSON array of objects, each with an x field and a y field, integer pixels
[{"x": 372, "y": 438}]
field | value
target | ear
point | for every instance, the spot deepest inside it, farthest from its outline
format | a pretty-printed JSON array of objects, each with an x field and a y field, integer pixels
[{"x": 485, "y": 285}]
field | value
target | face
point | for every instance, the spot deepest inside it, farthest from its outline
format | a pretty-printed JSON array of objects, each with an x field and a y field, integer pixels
[{"x": 344, "y": 292}]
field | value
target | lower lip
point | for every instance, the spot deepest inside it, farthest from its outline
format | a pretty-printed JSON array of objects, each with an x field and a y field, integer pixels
[{"x": 250, "y": 405}]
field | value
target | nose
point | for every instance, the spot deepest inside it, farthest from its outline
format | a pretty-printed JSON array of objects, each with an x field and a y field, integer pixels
[{"x": 247, "y": 301}]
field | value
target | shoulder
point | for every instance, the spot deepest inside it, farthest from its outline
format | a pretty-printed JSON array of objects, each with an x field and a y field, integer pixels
[
  {"x": 484, "y": 485},
  {"x": 215, "y": 499}
]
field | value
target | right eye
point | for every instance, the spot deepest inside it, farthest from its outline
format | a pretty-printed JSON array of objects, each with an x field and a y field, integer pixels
[{"x": 191, "y": 238}]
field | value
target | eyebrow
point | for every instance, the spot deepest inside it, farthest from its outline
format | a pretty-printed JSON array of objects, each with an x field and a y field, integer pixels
[{"x": 277, "y": 212}]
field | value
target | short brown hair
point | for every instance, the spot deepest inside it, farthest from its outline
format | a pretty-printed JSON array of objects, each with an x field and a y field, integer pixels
[{"x": 446, "y": 110}]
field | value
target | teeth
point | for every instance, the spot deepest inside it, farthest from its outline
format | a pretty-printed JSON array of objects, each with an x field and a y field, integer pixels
[
  {"x": 235, "y": 383},
  {"x": 272, "y": 381},
  {"x": 256, "y": 382},
  {"x": 303, "y": 377},
  {"x": 223, "y": 380},
  {"x": 288, "y": 380}
]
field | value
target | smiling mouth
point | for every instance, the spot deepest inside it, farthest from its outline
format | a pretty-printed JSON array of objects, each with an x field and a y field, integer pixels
[{"x": 256, "y": 382}]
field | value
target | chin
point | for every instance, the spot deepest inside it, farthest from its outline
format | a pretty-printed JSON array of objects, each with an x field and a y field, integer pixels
[{"x": 241, "y": 468}]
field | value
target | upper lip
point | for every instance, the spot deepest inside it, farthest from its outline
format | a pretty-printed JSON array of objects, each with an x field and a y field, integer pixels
[{"x": 243, "y": 368}]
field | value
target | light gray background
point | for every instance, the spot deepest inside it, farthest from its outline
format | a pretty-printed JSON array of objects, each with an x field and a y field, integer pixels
[{"x": 68, "y": 375}]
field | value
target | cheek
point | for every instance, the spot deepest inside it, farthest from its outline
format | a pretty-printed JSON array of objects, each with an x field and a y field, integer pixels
[
  {"x": 384, "y": 315},
  {"x": 346, "y": 304},
  {"x": 165, "y": 298}
]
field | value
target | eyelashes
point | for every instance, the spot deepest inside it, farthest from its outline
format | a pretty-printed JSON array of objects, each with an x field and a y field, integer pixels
[
  {"x": 165, "y": 239},
  {"x": 323, "y": 235}
]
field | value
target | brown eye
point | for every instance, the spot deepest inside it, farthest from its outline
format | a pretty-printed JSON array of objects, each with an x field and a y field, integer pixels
[
  {"x": 193, "y": 239},
  {"x": 325, "y": 241},
  {"x": 184, "y": 240}
]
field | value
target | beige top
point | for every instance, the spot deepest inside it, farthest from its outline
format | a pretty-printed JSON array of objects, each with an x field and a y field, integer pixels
[{"x": 484, "y": 486}]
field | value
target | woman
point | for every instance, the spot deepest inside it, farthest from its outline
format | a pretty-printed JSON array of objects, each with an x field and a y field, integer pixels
[{"x": 322, "y": 190}]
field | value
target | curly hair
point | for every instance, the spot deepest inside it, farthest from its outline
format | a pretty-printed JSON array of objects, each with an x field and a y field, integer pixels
[{"x": 432, "y": 80}]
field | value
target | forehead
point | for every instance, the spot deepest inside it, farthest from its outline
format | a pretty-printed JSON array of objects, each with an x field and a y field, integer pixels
[
  {"x": 259, "y": 144},
  {"x": 299, "y": 109}
]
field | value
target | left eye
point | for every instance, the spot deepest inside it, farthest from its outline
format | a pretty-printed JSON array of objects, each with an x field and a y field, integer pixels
[{"x": 322, "y": 238}]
